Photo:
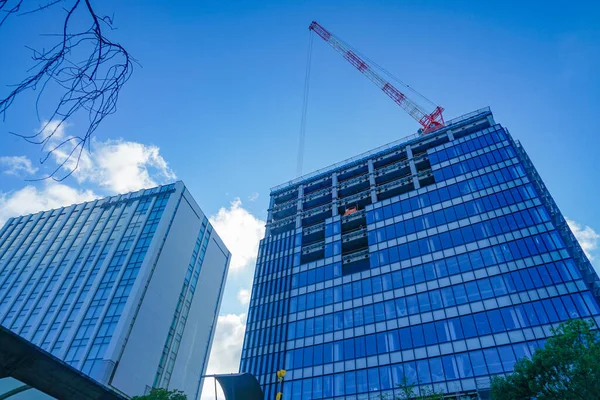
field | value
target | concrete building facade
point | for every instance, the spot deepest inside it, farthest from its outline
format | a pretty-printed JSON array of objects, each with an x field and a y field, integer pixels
[
  {"x": 126, "y": 289},
  {"x": 439, "y": 258}
]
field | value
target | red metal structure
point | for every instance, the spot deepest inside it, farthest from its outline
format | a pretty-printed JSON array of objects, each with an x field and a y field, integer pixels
[{"x": 429, "y": 121}]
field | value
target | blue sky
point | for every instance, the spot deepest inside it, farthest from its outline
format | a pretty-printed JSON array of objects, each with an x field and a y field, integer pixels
[{"x": 218, "y": 95}]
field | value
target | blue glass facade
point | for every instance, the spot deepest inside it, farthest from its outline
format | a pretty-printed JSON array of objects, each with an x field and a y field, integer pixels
[
  {"x": 53, "y": 271},
  {"x": 441, "y": 259},
  {"x": 108, "y": 286}
]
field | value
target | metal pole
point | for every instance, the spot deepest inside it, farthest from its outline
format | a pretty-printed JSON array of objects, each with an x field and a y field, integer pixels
[{"x": 215, "y": 379}]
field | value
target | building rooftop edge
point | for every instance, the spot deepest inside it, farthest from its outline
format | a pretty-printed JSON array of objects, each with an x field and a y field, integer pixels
[
  {"x": 403, "y": 141},
  {"x": 102, "y": 198}
]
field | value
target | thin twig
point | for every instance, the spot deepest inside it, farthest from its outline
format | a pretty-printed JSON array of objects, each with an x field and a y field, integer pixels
[{"x": 88, "y": 69}]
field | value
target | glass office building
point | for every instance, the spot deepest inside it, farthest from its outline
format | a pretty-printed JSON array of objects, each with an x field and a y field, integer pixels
[
  {"x": 441, "y": 259},
  {"x": 126, "y": 289}
]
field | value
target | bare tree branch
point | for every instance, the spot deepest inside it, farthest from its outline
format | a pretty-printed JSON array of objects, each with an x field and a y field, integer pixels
[
  {"x": 7, "y": 11},
  {"x": 88, "y": 69},
  {"x": 40, "y": 7}
]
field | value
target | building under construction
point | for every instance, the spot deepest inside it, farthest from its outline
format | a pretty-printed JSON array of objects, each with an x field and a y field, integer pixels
[{"x": 437, "y": 261}]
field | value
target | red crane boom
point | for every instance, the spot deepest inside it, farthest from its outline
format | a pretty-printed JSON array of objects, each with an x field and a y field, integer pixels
[{"x": 429, "y": 121}]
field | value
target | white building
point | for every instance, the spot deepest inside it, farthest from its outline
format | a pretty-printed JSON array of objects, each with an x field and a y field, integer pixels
[{"x": 126, "y": 289}]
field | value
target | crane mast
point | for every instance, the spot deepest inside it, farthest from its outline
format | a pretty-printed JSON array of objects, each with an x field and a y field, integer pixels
[{"x": 429, "y": 121}]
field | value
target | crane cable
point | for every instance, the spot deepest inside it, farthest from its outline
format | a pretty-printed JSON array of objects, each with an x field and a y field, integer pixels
[{"x": 304, "y": 105}]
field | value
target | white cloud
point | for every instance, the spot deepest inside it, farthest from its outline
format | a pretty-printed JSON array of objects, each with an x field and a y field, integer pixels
[
  {"x": 31, "y": 199},
  {"x": 226, "y": 350},
  {"x": 118, "y": 166},
  {"x": 113, "y": 166},
  {"x": 243, "y": 296},
  {"x": 241, "y": 232},
  {"x": 227, "y": 346},
  {"x": 17, "y": 165},
  {"x": 587, "y": 237},
  {"x": 253, "y": 196},
  {"x": 121, "y": 166},
  {"x": 53, "y": 131}
]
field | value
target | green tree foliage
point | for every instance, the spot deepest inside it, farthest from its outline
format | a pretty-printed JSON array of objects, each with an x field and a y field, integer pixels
[
  {"x": 162, "y": 394},
  {"x": 407, "y": 391},
  {"x": 568, "y": 367}
]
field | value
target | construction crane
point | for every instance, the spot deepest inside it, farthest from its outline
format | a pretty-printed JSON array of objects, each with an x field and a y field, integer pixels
[{"x": 430, "y": 122}]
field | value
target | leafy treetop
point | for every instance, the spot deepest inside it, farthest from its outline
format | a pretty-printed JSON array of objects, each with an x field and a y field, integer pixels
[
  {"x": 162, "y": 394},
  {"x": 567, "y": 367}
]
